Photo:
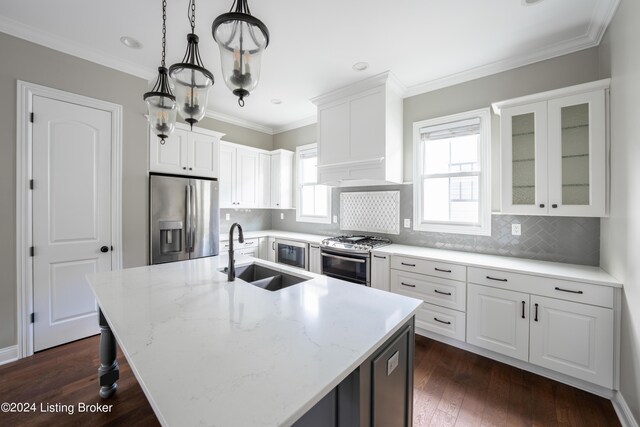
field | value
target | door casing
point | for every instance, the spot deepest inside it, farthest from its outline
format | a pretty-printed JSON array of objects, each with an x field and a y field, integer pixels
[{"x": 24, "y": 209}]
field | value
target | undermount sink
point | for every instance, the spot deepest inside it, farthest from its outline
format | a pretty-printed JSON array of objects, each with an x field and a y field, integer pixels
[{"x": 265, "y": 277}]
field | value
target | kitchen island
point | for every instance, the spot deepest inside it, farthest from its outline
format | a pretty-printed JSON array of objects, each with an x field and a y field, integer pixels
[{"x": 211, "y": 352}]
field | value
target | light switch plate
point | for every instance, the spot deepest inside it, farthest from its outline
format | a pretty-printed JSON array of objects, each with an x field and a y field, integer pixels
[
  {"x": 407, "y": 223},
  {"x": 516, "y": 229},
  {"x": 393, "y": 362},
  {"x": 281, "y": 215},
  {"x": 335, "y": 219},
  {"x": 227, "y": 217}
]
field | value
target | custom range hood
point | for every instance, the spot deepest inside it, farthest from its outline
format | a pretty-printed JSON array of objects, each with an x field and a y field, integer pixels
[{"x": 360, "y": 133}]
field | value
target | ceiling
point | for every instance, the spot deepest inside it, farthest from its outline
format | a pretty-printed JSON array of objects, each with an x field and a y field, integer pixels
[{"x": 427, "y": 44}]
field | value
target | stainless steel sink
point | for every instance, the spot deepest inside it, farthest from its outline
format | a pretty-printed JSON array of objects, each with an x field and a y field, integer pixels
[{"x": 265, "y": 277}]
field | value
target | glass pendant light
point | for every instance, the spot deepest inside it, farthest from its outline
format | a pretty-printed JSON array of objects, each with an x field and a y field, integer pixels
[
  {"x": 241, "y": 38},
  {"x": 161, "y": 103},
  {"x": 192, "y": 81}
]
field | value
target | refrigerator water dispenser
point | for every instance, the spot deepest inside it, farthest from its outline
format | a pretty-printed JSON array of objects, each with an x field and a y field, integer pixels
[{"x": 170, "y": 236}]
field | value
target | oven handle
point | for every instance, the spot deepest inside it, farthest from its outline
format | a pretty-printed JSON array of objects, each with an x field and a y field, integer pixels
[{"x": 359, "y": 261}]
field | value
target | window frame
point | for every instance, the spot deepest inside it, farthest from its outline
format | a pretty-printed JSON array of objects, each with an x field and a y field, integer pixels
[
  {"x": 483, "y": 228},
  {"x": 317, "y": 219}
]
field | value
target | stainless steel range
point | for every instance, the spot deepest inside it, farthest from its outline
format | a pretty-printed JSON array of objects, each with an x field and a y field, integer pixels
[{"x": 348, "y": 257}]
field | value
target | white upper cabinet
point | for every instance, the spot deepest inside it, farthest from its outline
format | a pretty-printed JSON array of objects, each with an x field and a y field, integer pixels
[
  {"x": 281, "y": 179},
  {"x": 264, "y": 196},
  {"x": 360, "y": 133},
  {"x": 554, "y": 152},
  {"x": 186, "y": 153}
]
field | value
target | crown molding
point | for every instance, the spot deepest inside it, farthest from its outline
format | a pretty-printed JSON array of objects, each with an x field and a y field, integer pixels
[
  {"x": 239, "y": 122},
  {"x": 593, "y": 36},
  {"x": 297, "y": 124},
  {"x": 61, "y": 44}
]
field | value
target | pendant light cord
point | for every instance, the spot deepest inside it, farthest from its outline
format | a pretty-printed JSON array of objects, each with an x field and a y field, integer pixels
[
  {"x": 191, "y": 14},
  {"x": 164, "y": 30}
]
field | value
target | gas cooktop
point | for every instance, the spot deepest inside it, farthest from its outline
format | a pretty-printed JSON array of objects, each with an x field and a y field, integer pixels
[{"x": 355, "y": 243}]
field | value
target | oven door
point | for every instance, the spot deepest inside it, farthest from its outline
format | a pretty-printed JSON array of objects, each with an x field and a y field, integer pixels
[
  {"x": 346, "y": 266},
  {"x": 292, "y": 253}
]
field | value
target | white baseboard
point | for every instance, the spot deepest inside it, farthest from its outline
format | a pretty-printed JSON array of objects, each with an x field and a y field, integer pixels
[
  {"x": 8, "y": 354},
  {"x": 623, "y": 411}
]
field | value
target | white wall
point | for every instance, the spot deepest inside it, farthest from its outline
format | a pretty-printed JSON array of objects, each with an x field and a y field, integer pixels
[{"x": 620, "y": 234}]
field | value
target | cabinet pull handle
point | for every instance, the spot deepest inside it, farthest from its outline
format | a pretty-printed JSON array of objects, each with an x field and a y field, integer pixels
[
  {"x": 554, "y": 206},
  {"x": 568, "y": 290},
  {"x": 441, "y": 293},
  {"x": 248, "y": 243},
  {"x": 441, "y": 321},
  {"x": 408, "y": 265},
  {"x": 381, "y": 257},
  {"x": 536, "y": 315},
  {"x": 442, "y": 270},
  {"x": 273, "y": 246},
  {"x": 523, "y": 309},
  {"x": 406, "y": 284},
  {"x": 499, "y": 280},
  {"x": 542, "y": 205}
]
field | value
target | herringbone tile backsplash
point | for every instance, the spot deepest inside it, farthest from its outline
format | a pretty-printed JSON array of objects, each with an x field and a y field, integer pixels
[{"x": 559, "y": 239}]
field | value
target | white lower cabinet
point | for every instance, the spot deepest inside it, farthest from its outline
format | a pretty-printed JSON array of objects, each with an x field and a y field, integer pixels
[
  {"x": 498, "y": 320},
  {"x": 380, "y": 271},
  {"x": 443, "y": 321},
  {"x": 572, "y": 338},
  {"x": 271, "y": 249},
  {"x": 315, "y": 259}
]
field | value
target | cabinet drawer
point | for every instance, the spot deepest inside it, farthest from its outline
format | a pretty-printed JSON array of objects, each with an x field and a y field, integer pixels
[
  {"x": 443, "y": 321},
  {"x": 442, "y": 292},
  {"x": 555, "y": 288},
  {"x": 432, "y": 268},
  {"x": 248, "y": 243}
]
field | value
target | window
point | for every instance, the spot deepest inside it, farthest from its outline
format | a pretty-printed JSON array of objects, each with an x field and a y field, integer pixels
[
  {"x": 313, "y": 200},
  {"x": 451, "y": 191}
]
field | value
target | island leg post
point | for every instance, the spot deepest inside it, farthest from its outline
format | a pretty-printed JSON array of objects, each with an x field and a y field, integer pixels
[{"x": 109, "y": 372}]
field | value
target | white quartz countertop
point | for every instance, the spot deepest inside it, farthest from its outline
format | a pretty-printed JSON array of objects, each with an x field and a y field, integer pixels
[
  {"x": 580, "y": 273},
  {"x": 211, "y": 352},
  {"x": 278, "y": 234}
]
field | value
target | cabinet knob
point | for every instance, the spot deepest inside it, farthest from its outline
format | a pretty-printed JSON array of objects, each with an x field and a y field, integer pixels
[
  {"x": 104, "y": 249},
  {"x": 542, "y": 205},
  {"x": 190, "y": 169},
  {"x": 184, "y": 168},
  {"x": 554, "y": 206}
]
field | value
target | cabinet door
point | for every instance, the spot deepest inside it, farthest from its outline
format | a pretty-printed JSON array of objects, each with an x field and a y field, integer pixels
[
  {"x": 275, "y": 181},
  {"x": 247, "y": 178},
  {"x": 315, "y": 259},
  {"x": 264, "y": 181},
  {"x": 380, "y": 271},
  {"x": 523, "y": 136},
  {"x": 263, "y": 245},
  {"x": 203, "y": 155},
  {"x": 333, "y": 132},
  {"x": 170, "y": 157},
  {"x": 227, "y": 176},
  {"x": 498, "y": 320},
  {"x": 577, "y": 155},
  {"x": 574, "y": 339},
  {"x": 271, "y": 249}
]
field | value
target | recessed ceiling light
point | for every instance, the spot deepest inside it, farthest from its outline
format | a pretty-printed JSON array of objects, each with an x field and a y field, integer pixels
[
  {"x": 130, "y": 42},
  {"x": 531, "y": 2},
  {"x": 276, "y": 101},
  {"x": 360, "y": 66}
]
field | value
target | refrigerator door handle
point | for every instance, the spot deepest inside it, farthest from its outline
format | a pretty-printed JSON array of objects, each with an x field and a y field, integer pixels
[
  {"x": 188, "y": 219},
  {"x": 193, "y": 216}
]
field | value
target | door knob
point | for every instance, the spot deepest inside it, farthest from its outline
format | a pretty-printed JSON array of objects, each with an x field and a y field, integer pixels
[{"x": 104, "y": 249}]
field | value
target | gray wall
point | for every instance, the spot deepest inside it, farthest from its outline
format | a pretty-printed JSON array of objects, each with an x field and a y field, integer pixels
[
  {"x": 620, "y": 242},
  {"x": 36, "y": 64},
  {"x": 558, "y": 239},
  {"x": 576, "y": 68},
  {"x": 249, "y": 219}
]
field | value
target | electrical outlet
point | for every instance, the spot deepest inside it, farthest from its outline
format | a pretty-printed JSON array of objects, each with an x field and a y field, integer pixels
[
  {"x": 227, "y": 217},
  {"x": 516, "y": 229},
  {"x": 281, "y": 215},
  {"x": 407, "y": 223},
  {"x": 335, "y": 219}
]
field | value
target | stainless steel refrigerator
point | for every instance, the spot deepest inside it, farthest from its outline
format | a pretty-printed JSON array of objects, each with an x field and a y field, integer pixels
[{"x": 185, "y": 218}]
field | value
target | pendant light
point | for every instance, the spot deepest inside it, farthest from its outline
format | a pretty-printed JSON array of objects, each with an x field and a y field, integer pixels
[
  {"x": 241, "y": 38},
  {"x": 161, "y": 103},
  {"x": 192, "y": 81}
]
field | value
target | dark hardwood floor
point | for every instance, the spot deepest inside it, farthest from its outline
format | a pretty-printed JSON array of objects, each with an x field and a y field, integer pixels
[{"x": 452, "y": 388}]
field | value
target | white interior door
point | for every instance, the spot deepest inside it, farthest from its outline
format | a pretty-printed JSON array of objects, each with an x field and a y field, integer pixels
[{"x": 71, "y": 217}]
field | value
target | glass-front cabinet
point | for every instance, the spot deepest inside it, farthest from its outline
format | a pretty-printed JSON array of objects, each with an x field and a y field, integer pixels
[{"x": 553, "y": 152}]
